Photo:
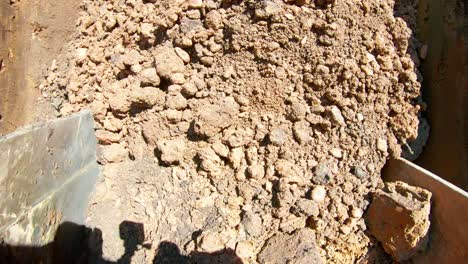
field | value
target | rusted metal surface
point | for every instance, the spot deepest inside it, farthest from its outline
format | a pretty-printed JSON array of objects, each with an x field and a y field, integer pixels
[
  {"x": 47, "y": 172},
  {"x": 443, "y": 27},
  {"x": 32, "y": 35}
]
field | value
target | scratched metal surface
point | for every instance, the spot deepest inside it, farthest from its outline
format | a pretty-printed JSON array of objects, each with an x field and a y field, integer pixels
[{"x": 47, "y": 172}]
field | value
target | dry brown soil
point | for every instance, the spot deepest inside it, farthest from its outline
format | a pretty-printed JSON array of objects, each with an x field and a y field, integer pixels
[{"x": 228, "y": 124}]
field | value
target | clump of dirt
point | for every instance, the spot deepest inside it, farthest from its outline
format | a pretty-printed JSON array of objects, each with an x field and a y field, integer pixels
[
  {"x": 399, "y": 218},
  {"x": 269, "y": 116}
]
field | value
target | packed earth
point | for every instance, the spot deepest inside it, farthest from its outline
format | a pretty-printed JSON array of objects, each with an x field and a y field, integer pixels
[{"x": 256, "y": 126}]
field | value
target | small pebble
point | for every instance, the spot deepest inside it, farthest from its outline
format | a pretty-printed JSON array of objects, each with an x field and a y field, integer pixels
[
  {"x": 277, "y": 136},
  {"x": 382, "y": 145},
  {"x": 183, "y": 54},
  {"x": 322, "y": 173},
  {"x": 136, "y": 68},
  {"x": 178, "y": 78},
  {"x": 423, "y": 52},
  {"x": 360, "y": 117},
  {"x": 345, "y": 229},
  {"x": 336, "y": 115},
  {"x": 189, "y": 89},
  {"x": 356, "y": 213},
  {"x": 245, "y": 249},
  {"x": 267, "y": 9},
  {"x": 318, "y": 193},
  {"x": 193, "y": 14},
  {"x": 289, "y": 16},
  {"x": 214, "y": 20},
  {"x": 195, "y": 3},
  {"x": 207, "y": 61},
  {"x": 336, "y": 152},
  {"x": 297, "y": 111},
  {"x": 81, "y": 54},
  {"x": 359, "y": 172}
]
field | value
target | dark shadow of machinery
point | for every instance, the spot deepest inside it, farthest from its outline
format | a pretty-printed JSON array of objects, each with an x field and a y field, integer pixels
[
  {"x": 78, "y": 244},
  {"x": 168, "y": 253},
  {"x": 74, "y": 244}
]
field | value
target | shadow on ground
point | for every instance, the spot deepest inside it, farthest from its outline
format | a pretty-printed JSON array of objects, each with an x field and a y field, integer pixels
[{"x": 77, "y": 244}]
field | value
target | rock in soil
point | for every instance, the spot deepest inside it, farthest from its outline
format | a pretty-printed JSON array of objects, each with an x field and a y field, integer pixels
[
  {"x": 172, "y": 151},
  {"x": 399, "y": 218},
  {"x": 299, "y": 247},
  {"x": 112, "y": 153}
]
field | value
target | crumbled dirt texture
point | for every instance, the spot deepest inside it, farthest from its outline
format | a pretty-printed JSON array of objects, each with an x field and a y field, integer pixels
[
  {"x": 239, "y": 121},
  {"x": 294, "y": 248}
]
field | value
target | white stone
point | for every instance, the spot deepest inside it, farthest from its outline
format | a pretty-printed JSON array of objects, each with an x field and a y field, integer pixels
[
  {"x": 336, "y": 115},
  {"x": 382, "y": 145},
  {"x": 277, "y": 136},
  {"x": 147, "y": 29},
  {"x": 356, "y": 213},
  {"x": 221, "y": 149},
  {"x": 244, "y": 249},
  {"x": 336, "y": 152},
  {"x": 195, "y": 3},
  {"x": 360, "y": 117},
  {"x": 81, "y": 54},
  {"x": 183, "y": 54},
  {"x": 136, "y": 68},
  {"x": 178, "y": 78},
  {"x": 212, "y": 242},
  {"x": 318, "y": 193}
]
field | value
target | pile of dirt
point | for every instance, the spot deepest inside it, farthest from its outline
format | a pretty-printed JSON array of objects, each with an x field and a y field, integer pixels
[{"x": 267, "y": 117}]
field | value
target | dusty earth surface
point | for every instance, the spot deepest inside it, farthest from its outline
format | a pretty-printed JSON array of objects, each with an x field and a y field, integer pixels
[{"x": 257, "y": 126}]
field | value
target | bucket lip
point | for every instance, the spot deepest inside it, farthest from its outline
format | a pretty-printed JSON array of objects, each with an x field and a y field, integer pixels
[
  {"x": 435, "y": 177},
  {"x": 87, "y": 113}
]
